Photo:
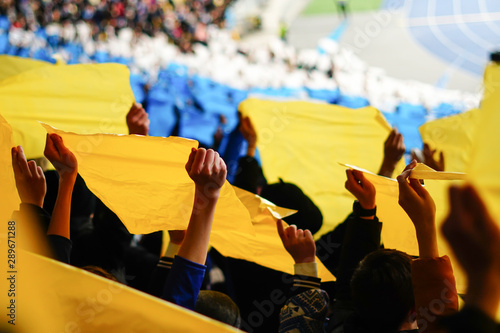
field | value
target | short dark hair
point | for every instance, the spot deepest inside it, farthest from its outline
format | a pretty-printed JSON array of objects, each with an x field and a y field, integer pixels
[
  {"x": 218, "y": 306},
  {"x": 100, "y": 271},
  {"x": 382, "y": 289}
]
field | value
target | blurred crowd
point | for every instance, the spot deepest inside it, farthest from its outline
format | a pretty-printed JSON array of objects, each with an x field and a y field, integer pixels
[{"x": 183, "y": 21}]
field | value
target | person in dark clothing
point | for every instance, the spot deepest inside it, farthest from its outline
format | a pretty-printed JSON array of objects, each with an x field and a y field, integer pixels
[{"x": 31, "y": 186}]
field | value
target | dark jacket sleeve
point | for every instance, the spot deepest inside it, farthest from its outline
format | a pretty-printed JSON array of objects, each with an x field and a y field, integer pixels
[
  {"x": 361, "y": 238},
  {"x": 329, "y": 247},
  {"x": 33, "y": 214},
  {"x": 248, "y": 174},
  {"x": 61, "y": 247},
  {"x": 160, "y": 275},
  {"x": 184, "y": 282}
]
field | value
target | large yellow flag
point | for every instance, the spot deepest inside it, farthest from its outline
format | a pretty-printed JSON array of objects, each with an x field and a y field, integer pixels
[
  {"x": 16, "y": 65},
  {"x": 301, "y": 142},
  {"x": 54, "y": 297},
  {"x": 485, "y": 155},
  {"x": 10, "y": 199},
  {"x": 143, "y": 180},
  {"x": 79, "y": 98}
]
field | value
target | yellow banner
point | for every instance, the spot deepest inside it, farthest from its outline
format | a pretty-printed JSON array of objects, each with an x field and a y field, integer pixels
[
  {"x": 301, "y": 142},
  {"x": 78, "y": 98}
]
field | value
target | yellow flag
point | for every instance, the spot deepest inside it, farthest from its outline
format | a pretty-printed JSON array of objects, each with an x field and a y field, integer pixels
[
  {"x": 11, "y": 66},
  {"x": 301, "y": 142},
  {"x": 143, "y": 180},
  {"x": 54, "y": 297},
  {"x": 78, "y": 98},
  {"x": 10, "y": 199},
  {"x": 485, "y": 156}
]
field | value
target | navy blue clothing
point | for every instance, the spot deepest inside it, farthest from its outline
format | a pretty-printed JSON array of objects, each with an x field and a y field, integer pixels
[
  {"x": 61, "y": 247},
  {"x": 184, "y": 282}
]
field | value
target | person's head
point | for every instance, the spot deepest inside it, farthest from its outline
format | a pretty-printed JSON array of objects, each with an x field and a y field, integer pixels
[
  {"x": 382, "y": 289},
  {"x": 218, "y": 306},
  {"x": 290, "y": 196},
  {"x": 100, "y": 271}
]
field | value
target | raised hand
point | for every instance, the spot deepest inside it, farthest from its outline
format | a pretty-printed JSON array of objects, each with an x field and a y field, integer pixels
[
  {"x": 361, "y": 188},
  {"x": 299, "y": 243},
  {"x": 394, "y": 148},
  {"x": 248, "y": 132},
  {"x": 138, "y": 120},
  {"x": 475, "y": 239},
  {"x": 61, "y": 158},
  {"x": 427, "y": 157},
  {"x": 208, "y": 171},
  {"x": 420, "y": 207},
  {"x": 431, "y": 161},
  {"x": 30, "y": 180}
]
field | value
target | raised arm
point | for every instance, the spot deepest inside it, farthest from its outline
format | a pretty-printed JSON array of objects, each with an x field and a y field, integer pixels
[
  {"x": 305, "y": 293},
  {"x": 475, "y": 240},
  {"x": 67, "y": 167},
  {"x": 394, "y": 148},
  {"x": 208, "y": 171},
  {"x": 432, "y": 276},
  {"x": 420, "y": 207},
  {"x": 30, "y": 180}
]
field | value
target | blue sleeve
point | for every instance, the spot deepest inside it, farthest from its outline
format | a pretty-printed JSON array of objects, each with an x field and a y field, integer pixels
[{"x": 184, "y": 282}]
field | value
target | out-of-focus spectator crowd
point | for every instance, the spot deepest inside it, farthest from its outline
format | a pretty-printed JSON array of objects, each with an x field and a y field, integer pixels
[{"x": 183, "y": 21}]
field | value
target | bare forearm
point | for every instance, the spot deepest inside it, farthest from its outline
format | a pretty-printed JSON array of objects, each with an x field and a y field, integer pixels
[
  {"x": 427, "y": 242},
  {"x": 195, "y": 244},
  {"x": 387, "y": 169},
  {"x": 60, "y": 220}
]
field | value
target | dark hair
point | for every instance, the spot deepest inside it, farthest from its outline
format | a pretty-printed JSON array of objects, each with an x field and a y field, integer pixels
[
  {"x": 218, "y": 306},
  {"x": 100, "y": 271},
  {"x": 382, "y": 289}
]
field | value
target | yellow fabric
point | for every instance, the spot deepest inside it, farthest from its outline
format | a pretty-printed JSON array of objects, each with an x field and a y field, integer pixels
[
  {"x": 143, "y": 180},
  {"x": 265, "y": 248},
  {"x": 10, "y": 66},
  {"x": 78, "y": 98},
  {"x": 422, "y": 171},
  {"x": 453, "y": 136},
  {"x": 54, "y": 297},
  {"x": 10, "y": 199},
  {"x": 301, "y": 142},
  {"x": 485, "y": 156}
]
